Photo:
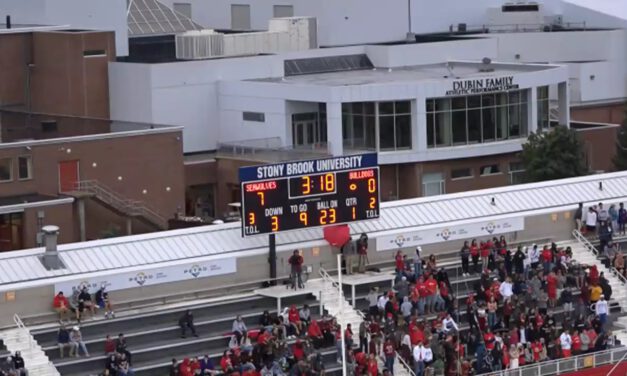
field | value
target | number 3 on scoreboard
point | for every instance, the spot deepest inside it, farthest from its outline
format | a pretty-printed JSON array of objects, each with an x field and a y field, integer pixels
[{"x": 275, "y": 223}]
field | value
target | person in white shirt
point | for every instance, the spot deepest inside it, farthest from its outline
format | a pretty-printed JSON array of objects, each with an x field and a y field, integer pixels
[
  {"x": 506, "y": 289},
  {"x": 601, "y": 309},
  {"x": 591, "y": 221},
  {"x": 565, "y": 343},
  {"x": 534, "y": 256},
  {"x": 423, "y": 355},
  {"x": 527, "y": 263},
  {"x": 383, "y": 300},
  {"x": 448, "y": 324}
]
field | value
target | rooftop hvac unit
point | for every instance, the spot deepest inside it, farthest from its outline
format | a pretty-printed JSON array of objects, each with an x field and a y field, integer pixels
[{"x": 199, "y": 44}]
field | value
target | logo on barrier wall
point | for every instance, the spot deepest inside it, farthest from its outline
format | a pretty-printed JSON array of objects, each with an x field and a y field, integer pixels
[
  {"x": 400, "y": 240},
  {"x": 445, "y": 234},
  {"x": 194, "y": 270},
  {"x": 140, "y": 278},
  {"x": 490, "y": 227}
]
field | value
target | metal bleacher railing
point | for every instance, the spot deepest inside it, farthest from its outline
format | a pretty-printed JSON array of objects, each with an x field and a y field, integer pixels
[
  {"x": 590, "y": 247},
  {"x": 573, "y": 364},
  {"x": 272, "y": 149},
  {"x": 20, "y": 325}
]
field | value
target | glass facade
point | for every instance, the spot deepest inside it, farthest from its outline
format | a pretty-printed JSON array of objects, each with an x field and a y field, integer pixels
[
  {"x": 475, "y": 119},
  {"x": 360, "y": 120},
  {"x": 543, "y": 108}
]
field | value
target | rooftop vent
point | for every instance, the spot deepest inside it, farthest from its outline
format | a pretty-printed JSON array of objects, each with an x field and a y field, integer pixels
[
  {"x": 521, "y": 7},
  {"x": 201, "y": 44},
  {"x": 51, "y": 259},
  {"x": 486, "y": 65}
]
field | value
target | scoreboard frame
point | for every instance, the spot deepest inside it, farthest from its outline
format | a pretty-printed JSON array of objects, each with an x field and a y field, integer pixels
[{"x": 251, "y": 175}]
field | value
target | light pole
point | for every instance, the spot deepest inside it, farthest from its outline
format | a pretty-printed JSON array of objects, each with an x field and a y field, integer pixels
[{"x": 341, "y": 312}]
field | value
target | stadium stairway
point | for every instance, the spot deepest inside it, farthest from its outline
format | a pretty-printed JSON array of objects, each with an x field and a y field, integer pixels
[
  {"x": 35, "y": 359},
  {"x": 585, "y": 252}
]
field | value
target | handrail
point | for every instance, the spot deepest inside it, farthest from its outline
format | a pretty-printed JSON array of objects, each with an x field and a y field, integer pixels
[
  {"x": 20, "y": 325},
  {"x": 577, "y": 361},
  {"x": 404, "y": 364},
  {"x": 586, "y": 243}
]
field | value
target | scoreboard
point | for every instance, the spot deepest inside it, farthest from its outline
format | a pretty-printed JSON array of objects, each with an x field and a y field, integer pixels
[{"x": 304, "y": 194}]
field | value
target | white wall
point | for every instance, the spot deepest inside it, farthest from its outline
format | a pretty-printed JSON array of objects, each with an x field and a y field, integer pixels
[
  {"x": 86, "y": 14},
  {"x": 130, "y": 92}
]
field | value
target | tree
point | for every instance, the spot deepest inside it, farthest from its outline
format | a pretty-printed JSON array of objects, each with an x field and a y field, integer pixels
[
  {"x": 555, "y": 154},
  {"x": 620, "y": 159}
]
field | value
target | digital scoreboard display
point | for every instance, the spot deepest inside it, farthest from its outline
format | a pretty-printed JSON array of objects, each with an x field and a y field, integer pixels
[{"x": 303, "y": 194}]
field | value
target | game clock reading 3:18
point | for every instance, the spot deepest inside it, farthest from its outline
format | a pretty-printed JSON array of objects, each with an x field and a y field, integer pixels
[{"x": 344, "y": 193}]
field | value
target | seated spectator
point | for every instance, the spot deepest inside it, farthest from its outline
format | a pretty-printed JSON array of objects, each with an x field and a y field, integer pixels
[
  {"x": 206, "y": 364},
  {"x": 266, "y": 320},
  {"x": 121, "y": 347},
  {"x": 111, "y": 364},
  {"x": 109, "y": 345},
  {"x": 76, "y": 338},
  {"x": 104, "y": 302},
  {"x": 85, "y": 296},
  {"x": 449, "y": 325},
  {"x": 63, "y": 340},
  {"x": 61, "y": 305},
  {"x": 315, "y": 334},
  {"x": 18, "y": 363},
  {"x": 305, "y": 315},
  {"x": 294, "y": 321},
  {"x": 239, "y": 327},
  {"x": 619, "y": 263},
  {"x": 174, "y": 369}
]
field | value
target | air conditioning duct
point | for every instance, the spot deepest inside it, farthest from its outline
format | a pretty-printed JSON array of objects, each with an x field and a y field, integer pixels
[{"x": 199, "y": 44}]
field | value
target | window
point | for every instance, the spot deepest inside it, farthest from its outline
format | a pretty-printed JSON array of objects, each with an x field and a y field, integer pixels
[
  {"x": 359, "y": 125},
  {"x": 240, "y": 17},
  {"x": 309, "y": 129},
  {"x": 94, "y": 53},
  {"x": 254, "y": 116},
  {"x": 6, "y": 169},
  {"x": 283, "y": 11},
  {"x": 543, "y": 108},
  {"x": 490, "y": 170},
  {"x": 461, "y": 173},
  {"x": 183, "y": 8},
  {"x": 476, "y": 118},
  {"x": 394, "y": 125},
  {"x": 516, "y": 173},
  {"x": 24, "y": 167},
  {"x": 433, "y": 184}
]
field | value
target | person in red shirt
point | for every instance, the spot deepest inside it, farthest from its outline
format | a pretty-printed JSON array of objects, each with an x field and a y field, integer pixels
[
  {"x": 423, "y": 293},
  {"x": 264, "y": 336},
  {"x": 489, "y": 339},
  {"x": 399, "y": 262},
  {"x": 547, "y": 259},
  {"x": 389, "y": 351},
  {"x": 184, "y": 368},
  {"x": 444, "y": 293},
  {"x": 416, "y": 335},
  {"x": 432, "y": 288},
  {"x": 485, "y": 253},
  {"x": 474, "y": 254},
  {"x": 315, "y": 334},
  {"x": 61, "y": 305},
  {"x": 298, "y": 350},
  {"x": 376, "y": 340},
  {"x": 294, "y": 319},
  {"x": 373, "y": 366},
  {"x": 225, "y": 362},
  {"x": 348, "y": 336},
  {"x": 536, "y": 349},
  {"x": 551, "y": 288},
  {"x": 576, "y": 343}
]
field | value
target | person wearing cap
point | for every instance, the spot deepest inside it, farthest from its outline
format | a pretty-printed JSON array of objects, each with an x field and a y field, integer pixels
[
  {"x": 418, "y": 263},
  {"x": 601, "y": 309},
  {"x": 76, "y": 338}
]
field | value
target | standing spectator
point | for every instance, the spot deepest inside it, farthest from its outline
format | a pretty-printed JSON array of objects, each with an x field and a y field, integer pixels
[
  {"x": 363, "y": 336},
  {"x": 519, "y": 261},
  {"x": 605, "y": 235},
  {"x": 418, "y": 263},
  {"x": 622, "y": 218},
  {"x": 349, "y": 251},
  {"x": 613, "y": 213},
  {"x": 474, "y": 253},
  {"x": 390, "y": 354},
  {"x": 399, "y": 264},
  {"x": 514, "y": 356},
  {"x": 465, "y": 255},
  {"x": 76, "y": 338},
  {"x": 602, "y": 213},
  {"x": 534, "y": 257},
  {"x": 121, "y": 347},
  {"x": 296, "y": 270},
  {"x": 373, "y": 299},
  {"x": 591, "y": 222},
  {"x": 505, "y": 289},
  {"x": 187, "y": 321},
  {"x": 565, "y": 343},
  {"x": 18, "y": 363},
  {"x": 61, "y": 305},
  {"x": 484, "y": 250},
  {"x": 63, "y": 340},
  {"x": 362, "y": 251},
  {"x": 578, "y": 216},
  {"x": 448, "y": 324},
  {"x": 432, "y": 287},
  {"x": 601, "y": 309}
]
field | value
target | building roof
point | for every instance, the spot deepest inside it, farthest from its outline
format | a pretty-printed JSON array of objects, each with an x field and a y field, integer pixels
[
  {"x": 613, "y": 8},
  {"x": 23, "y": 268},
  {"x": 150, "y": 17},
  {"x": 450, "y": 70}
]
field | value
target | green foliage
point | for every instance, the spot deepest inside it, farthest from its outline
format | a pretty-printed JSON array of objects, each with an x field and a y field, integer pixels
[
  {"x": 555, "y": 154},
  {"x": 620, "y": 159}
]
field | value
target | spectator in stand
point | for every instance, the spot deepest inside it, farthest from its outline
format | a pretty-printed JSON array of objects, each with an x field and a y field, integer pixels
[
  {"x": 61, "y": 305},
  {"x": 595, "y": 293},
  {"x": 505, "y": 288},
  {"x": 601, "y": 309},
  {"x": 293, "y": 318},
  {"x": 296, "y": 270},
  {"x": 373, "y": 300},
  {"x": 109, "y": 345},
  {"x": 431, "y": 289},
  {"x": 602, "y": 213},
  {"x": 591, "y": 222},
  {"x": 399, "y": 264},
  {"x": 174, "y": 369},
  {"x": 85, "y": 296},
  {"x": 534, "y": 257},
  {"x": 565, "y": 343},
  {"x": 465, "y": 255},
  {"x": 305, "y": 315},
  {"x": 121, "y": 347},
  {"x": 18, "y": 363},
  {"x": 547, "y": 259},
  {"x": 449, "y": 325},
  {"x": 474, "y": 254},
  {"x": 239, "y": 327},
  {"x": 605, "y": 235},
  {"x": 432, "y": 264},
  {"x": 613, "y": 213},
  {"x": 622, "y": 218},
  {"x": 362, "y": 252},
  {"x": 578, "y": 217},
  {"x": 187, "y": 321},
  {"x": 417, "y": 263},
  {"x": 349, "y": 251},
  {"x": 63, "y": 340},
  {"x": 390, "y": 354},
  {"x": 76, "y": 338},
  {"x": 104, "y": 302},
  {"x": 484, "y": 250},
  {"x": 619, "y": 263}
]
